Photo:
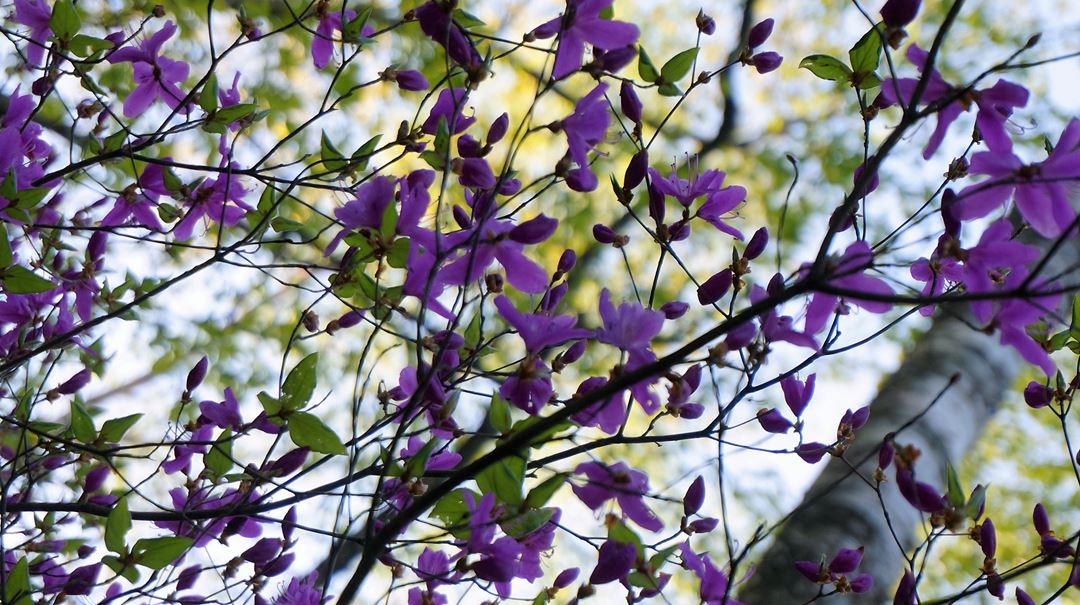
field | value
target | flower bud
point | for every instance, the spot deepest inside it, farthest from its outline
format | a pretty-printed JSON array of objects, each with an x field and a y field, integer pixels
[
  {"x": 573, "y": 353},
  {"x": 703, "y": 526},
  {"x": 534, "y": 230},
  {"x": 715, "y": 287},
  {"x": 616, "y": 59},
  {"x": 885, "y": 455},
  {"x": 988, "y": 538},
  {"x": 766, "y": 61},
  {"x": 898, "y": 13},
  {"x": 657, "y": 207},
  {"x": 469, "y": 147},
  {"x": 197, "y": 374},
  {"x": 635, "y": 170},
  {"x": 773, "y": 421},
  {"x": 757, "y": 244},
  {"x": 1037, "y": 395},
  {"x": 603, "y": 234},
  {"x": 759, "y": 33},
  {"x": 567, "y": 261},
  {"x": 615, "y": 561},
  {"x": 566, "y": 578},
  {"x": 73, "y": 384},
  {"x": 629, "y": 102},
  {"x": 705, "y": 23},
  {"x": 498, "y": 129},
  {"x": 1040, "y": 520},
  {"x": 674, "y": 309},
  {"x": 695, "y": 496},
  {"x": 846, "y": 560},
  {"x": 461, "y": 217},
  {"x": 410, "y": 79}
]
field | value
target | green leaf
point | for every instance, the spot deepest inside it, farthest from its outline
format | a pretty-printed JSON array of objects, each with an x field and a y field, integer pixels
[
  {"x": 525, "y": 523},
  {"x": 307, "y": 430},
  {"x": 499, "y": 415},
  {"x": 398, "y": 256},
  {"x": 228, "y": 115},
  {"x": 83, "y": 46},
  {"x": 208, "y": 96},
  {"x": 388, "y": 226},
  {"x": 865, "y": 81},
  {"x": 678, "y": 66},
  {"x": 418, "y": 461},
  {"x": 1075, "y": 325},
  {"x": 622, "y": 533},
  {"x": 975, "y": 502},
  {"x": 17, "y": 584},
  {"x": 299, "y": 384},
  {"x": 82, "y": 425},
  {"x": 28, "y": 198},
  {"x": 158, "y": 553},
  {"x": 454, "y": 513},
  {"x": 128, "y": 572},
  {"x": 360, "y": 157},
  {"x": 645, "y": 66},
  {"x": 669, "y": 90},
  {"x": 20, "y": 280},
  {"x": 956, "y": 491},
  {"x": 353, "y": 30},
  {"x": 657, "y": 561},
  {"x": 505, "y": 479},
  {"x": 866, "y": 53},
  {"x": 827, "y": 68},
  {"x": 114, "y": 429},
  {"x": 467, "y": 20},
  {"x": 442, "y": 138},
  {"x": 6, "y": 255},
  {"x": 332, "y": 159},
  {"x": 219, "y": 459},
  {"x": 539, "y": 495},
  {"x": 117, "y": 526},
  {"x": 65, "y": 21}
]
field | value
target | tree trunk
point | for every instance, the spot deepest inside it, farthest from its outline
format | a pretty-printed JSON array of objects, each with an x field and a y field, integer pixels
[{"x": 840, "y": 510}]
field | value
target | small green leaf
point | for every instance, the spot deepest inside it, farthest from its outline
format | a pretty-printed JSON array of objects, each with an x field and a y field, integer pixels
[
  {"x": 505, "y": 479},
  {"x": 621, "y": 533},
  {"x": 228, "y": 115},
  {"x": 82, "y": 425},
  {"x": 398, "y": 256},
  {"x": 539, "y": 495},
  {"x": 454, "y": 513},
  {"x": 332, "y": 159},
  {"x": 524, "y": 523},
  {"x": 499, "y": 415},
  {"x": 975, "y": 502},
  {"x": 158, "y": 553},
  {"x": 678, "y": 66},
  {"x": 65, "y": 21},
  {"x": 128, "y": 572},
  {"x": 388, "y": 226},
  {"x": 208, "y": 96},
  {"x": 645, "y": 66},
  {"x": 827, "y": 68},
  {"x": 219, "y": 459},
  {"x": 300, "y": 384},
  {"x": 353, "y": 30},
  {"x": 307, "y": 430},
  {"x": 956, "y": 491},
  {"x": 17, "y": 585},
  {"x": 114, "y": 429},
  {"x": 866, "y": 53},
  {"x": 866, "y": 81},
  {"x": 115, "y": 140},
  {"x": 20, "y": 280},
  {"x": 669, "y": 90},
  {"x": 83, "y": 46},
  {"x": 416, "y": 464},
  {"x": 6, "y": 255},
  {"x": 657, "y": 561},
  {"x": 117, "y": 526},
  {"x": 467, "y": 20}
]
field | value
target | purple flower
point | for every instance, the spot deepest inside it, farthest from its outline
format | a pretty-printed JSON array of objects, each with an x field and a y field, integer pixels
[
  {"x": 156, "y": 77},
  {"x": 220, "y": 200},
  {"x": 714, "y": 288},
  {"x": 614, "y": 561},
  {"x": 714, "y": 583},
  {"x": 582, "y": 23},
  {"x": 773, "y": 421},
  {"x": 494, "y": 244},
  {"x": 436, "y": 22},
  {"x": 797, "y": 394},
  {"x": 631, "y": 327},
  {"x": 695, "y": 496},
  {"x": 303, "y": 591},
  {"x": 776, "y": 327},
  {"x": 1039, "y": 188},
  {"x": 225, "y": 414},
  {"x": 365, "y": 210},
  {"x": 923, "y": 496},
  {"x": 995, "y": 104},
  {"x": 620, "y": 483},
  {"x": 847, "y": 272},
  {"x": 812, "y": 452},
  {"x": 34, "y": 14},
  {"x": 766, "y": 62},
  {"x": 1038, "y": 395},
  {"x": 608, "y": 414},
  {"x": 412, "y": 80},
  {"x": 585, "y": 129},
  {"x": 537, "y": 330},
  {"x": 322, "y": 44},
  {"x": 448, "y": 106}
]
